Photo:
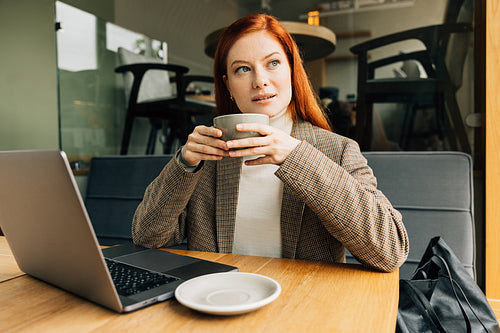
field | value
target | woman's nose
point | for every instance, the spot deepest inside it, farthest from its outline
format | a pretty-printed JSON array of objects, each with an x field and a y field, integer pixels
[{"x": 260, "y": 80}]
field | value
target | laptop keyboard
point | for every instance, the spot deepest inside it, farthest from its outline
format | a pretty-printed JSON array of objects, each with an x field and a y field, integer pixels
[{"x": 130, "y": 280}]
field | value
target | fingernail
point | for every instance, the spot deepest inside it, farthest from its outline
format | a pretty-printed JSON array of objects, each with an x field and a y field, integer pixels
[{"x": 229, "y": 144}]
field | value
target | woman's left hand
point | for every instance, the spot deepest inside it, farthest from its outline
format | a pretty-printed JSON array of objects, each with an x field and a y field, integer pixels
[{"x": 272, "y": 148}]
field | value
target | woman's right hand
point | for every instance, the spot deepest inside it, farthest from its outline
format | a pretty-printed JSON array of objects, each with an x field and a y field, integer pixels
[{"x": 203, "y": 144}]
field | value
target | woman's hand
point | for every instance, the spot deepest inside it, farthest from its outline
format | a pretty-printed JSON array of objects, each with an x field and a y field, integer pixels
[
  {"x": 275, "y": 145},
  {"x": 203, "y": 145}
]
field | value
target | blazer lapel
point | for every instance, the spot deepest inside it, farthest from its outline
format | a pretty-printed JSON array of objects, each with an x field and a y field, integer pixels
[
  {"x": 227, "y": 184},
  {"x": 292, "y": 209}
]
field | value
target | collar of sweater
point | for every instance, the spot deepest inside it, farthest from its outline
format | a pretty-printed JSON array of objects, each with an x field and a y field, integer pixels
[{"x": 282, "y": 121}]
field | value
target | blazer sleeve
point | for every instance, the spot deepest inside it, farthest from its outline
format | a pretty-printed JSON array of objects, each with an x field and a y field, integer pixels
[
  {"x": 341, "y": 189},
  {"x": 160, "y": 219}
]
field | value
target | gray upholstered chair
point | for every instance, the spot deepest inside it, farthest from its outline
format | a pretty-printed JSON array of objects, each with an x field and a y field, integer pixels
[
  {"x": 434, "y": 193},
  {"x": 115, "y": 187}
]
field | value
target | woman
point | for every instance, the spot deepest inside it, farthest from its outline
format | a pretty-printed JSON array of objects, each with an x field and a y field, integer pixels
[{"x": 299, "y": 191}]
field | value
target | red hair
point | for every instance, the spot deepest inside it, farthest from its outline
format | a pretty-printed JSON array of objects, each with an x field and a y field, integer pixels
[{"x": 304, "y": 103}]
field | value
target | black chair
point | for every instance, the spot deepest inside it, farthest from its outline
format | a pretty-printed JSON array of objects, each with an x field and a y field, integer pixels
[
  {"x": 434, "y": 193},
  {"x": 446, "y": 47},
  {"x": 149, "y": 93},
  {"x": 115, "y": 187}
]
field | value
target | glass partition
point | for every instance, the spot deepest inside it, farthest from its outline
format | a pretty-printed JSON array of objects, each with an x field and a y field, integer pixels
[
  {"x": 92, "y": 103},
  {"x": 412, "y": 122},
  {"x": 91, "y": 96}
]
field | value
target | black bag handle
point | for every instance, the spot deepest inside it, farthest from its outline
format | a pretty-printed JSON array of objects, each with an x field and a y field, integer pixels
[
  {"x": 453, "y": 284},
  {"x": 450, "y": 278},
  {"x": 423, "y": 305}
]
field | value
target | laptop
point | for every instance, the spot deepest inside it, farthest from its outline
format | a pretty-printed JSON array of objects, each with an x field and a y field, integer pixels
[{"x": 50, "y": 234}]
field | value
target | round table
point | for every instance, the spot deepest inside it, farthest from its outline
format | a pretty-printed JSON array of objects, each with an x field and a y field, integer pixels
[{"x": 314, "y": 42}]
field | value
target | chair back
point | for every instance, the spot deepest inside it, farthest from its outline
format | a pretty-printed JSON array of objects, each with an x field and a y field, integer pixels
[
  {"x": 115, "y": 187},
  {"x": 452, "y": 10},
  {"x": 458, "y": 45},
  {"x": 434, "y": 193},
  {"x": 155, "y": 83}
]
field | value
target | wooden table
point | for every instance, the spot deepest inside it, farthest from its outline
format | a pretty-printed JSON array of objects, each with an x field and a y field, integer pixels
[
  {"x": 313, "y": 41},
  {"x": 8, "y": 266},
  {"x": 315, "y": 297}
]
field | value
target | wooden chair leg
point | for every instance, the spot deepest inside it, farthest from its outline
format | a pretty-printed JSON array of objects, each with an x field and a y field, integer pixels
[
  {"x": 127, "y": 131},
  {"x": 407, "y": 127},
  {"x": 167, "y": 133},
  {"x": 458, "y": 124},
  {"x": 364, "y": 114},
  {"x": 360, "y": 122},
  {"x": 150, "y": 148}
]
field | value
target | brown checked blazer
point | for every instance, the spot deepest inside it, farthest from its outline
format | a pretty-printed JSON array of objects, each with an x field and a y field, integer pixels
[{"x": 330, "y": 201}]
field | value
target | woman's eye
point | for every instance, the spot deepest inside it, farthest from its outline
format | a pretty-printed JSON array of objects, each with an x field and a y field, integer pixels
[
  {"x": 242, "y": 69},
  {"x": 274, "y": 63}
]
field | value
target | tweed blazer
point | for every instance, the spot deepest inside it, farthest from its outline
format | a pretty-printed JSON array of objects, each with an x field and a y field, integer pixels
[{"x": 330, "y": 201}]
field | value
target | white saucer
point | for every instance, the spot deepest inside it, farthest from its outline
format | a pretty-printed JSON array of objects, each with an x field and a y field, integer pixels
[{"x": 227, "y": 293}]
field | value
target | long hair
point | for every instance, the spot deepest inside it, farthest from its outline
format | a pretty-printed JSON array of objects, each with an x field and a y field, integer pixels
[{"x": 304, "y": 103}]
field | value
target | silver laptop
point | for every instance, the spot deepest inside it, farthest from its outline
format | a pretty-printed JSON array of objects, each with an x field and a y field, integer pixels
[{"x": 47, "y": 227}]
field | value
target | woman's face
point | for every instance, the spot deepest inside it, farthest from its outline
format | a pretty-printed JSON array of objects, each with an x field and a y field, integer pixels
[{"x": 258, "y": 74}]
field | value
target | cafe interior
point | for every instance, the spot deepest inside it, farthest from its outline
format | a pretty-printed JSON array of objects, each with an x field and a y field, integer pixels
[{"x": 109, "y": 81}]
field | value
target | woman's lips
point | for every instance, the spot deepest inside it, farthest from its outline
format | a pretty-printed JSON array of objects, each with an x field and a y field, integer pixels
[{"x": 263, "y": 98}]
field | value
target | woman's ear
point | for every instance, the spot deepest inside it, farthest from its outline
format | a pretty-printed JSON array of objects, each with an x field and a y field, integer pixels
[{"x": 224, "y": 78}]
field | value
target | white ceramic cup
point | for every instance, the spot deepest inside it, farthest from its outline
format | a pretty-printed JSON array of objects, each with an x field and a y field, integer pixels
[{"x": 227, "y": 124}]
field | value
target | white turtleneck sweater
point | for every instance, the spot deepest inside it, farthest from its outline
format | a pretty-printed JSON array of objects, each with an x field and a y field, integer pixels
[{"x": 258, "y": 214}]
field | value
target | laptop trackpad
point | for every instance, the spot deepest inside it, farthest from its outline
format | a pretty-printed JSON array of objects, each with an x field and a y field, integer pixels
[
  {"x": 156, "y": 260},
  {"x": 200, "y": 268}
]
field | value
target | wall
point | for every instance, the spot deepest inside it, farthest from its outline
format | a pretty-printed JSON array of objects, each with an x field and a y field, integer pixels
[
  {"x": 105, "y": 9},
  {"x": 28, "y": 83},
  {"x": 492, "y": 153}
]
